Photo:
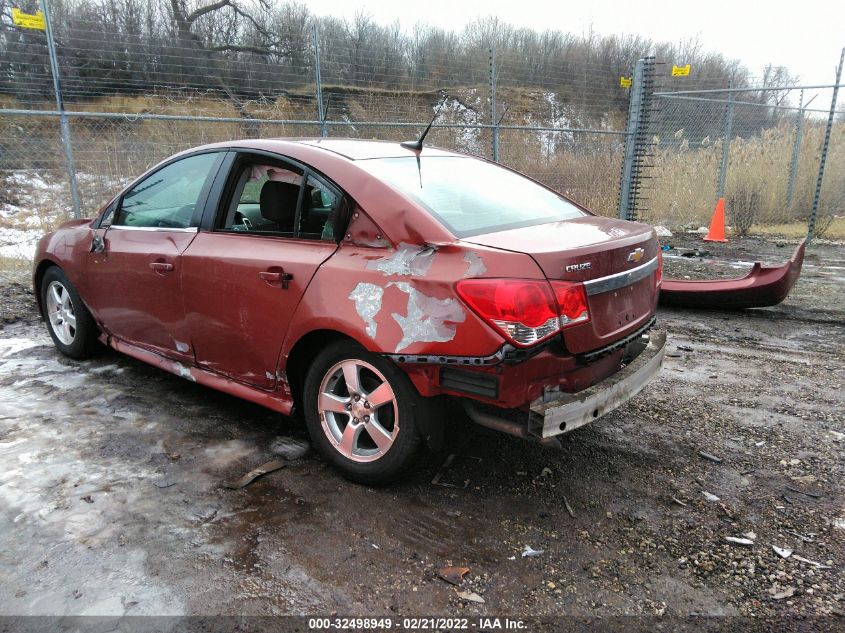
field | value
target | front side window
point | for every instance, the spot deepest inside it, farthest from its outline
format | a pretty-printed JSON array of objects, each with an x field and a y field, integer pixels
[
  {"x": 168, "y": 198},
  {"x": 469, "y": 196}
]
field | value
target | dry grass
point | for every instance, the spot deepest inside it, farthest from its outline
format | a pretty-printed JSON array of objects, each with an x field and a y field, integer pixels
[
  {"x": 15, "y": 270},
  {"x": 835, "y": 231},
  {"x": 683, "y": 190},
  {"x": 588, "y": 172}
]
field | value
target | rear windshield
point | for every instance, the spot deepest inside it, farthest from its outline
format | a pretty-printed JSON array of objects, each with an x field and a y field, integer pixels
[{"x": 470, "y": 196}]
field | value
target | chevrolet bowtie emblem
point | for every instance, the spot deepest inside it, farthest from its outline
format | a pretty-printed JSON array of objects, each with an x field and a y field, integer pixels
[{"x": 636, "y": 255}]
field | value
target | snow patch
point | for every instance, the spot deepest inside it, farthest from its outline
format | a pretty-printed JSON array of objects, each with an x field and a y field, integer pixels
[
  {"x": 457, "y": 111},
  {"x": 35, "y": 202},
  {"x": 46, "y": 480}
]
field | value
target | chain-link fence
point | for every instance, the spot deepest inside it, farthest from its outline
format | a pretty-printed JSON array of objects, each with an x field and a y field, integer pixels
[
  {"x": 129, "y": 101},
  {"x": 750, "y": 147},
  {"x": 119, "y": 92}
]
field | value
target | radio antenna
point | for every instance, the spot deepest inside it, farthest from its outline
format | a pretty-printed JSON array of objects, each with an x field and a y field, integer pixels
[{"x": 418, "y": 144}]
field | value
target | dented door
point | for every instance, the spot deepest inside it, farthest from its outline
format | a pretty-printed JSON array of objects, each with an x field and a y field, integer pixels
[
  {"x": 134, "y": 266},
  {"x": 240, "y": 292},
  {"x": 134, "y": 287}
]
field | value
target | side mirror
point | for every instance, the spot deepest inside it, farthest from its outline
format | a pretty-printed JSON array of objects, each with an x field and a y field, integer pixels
[{"x": 98, "y": 245}]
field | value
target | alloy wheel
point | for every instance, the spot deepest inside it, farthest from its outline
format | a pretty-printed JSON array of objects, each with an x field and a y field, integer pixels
[
  {"x": 60, "y": 312},
  {"x": 358, "y": 410}
]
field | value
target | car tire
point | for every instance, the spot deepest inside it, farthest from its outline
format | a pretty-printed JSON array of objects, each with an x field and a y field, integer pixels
[
  {"x": 68, "y": 320},
  {"x": 372, "y": 443}
]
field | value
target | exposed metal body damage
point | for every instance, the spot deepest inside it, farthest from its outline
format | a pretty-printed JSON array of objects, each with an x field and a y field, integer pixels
[
  {"x": 367, "y": 298},
  {"x": 185, "y": 372},
  {"x": 475, "y": 265},
  {"x": 408, "y": 259},
  {"x": 428, "y": 319},
  {"x": 564, "y": 412}
]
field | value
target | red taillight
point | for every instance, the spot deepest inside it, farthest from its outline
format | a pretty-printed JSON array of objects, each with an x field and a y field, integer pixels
[
  {"x": 526, "y": 311},
  {"x": 572, "y": 302},
  {"x": 658, "y": 274}
]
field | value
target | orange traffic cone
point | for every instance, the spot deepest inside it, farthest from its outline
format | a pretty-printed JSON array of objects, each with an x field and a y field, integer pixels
[{"x": 717, "y": 224}]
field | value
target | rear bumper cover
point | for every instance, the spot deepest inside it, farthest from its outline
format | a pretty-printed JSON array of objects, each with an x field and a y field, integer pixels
[
  {"x": 763, "y": 286},
  {"x": 563, "y": 412}
]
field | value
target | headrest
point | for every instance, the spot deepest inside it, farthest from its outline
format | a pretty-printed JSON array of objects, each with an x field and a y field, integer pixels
[{"x": 278, "y": 203}]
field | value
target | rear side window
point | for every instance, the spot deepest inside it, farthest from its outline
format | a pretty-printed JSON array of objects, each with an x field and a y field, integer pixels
[
  {"x": 279, "y": 200},
  {"x": 265, "y": 200},
  {"x": 168, "y": 197},
  {"x": 320, "y": 211},
  {"x": 470, "y": 196}
]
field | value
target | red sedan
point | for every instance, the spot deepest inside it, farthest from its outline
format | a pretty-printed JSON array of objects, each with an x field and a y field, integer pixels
[{"x": 363, "y": 284}]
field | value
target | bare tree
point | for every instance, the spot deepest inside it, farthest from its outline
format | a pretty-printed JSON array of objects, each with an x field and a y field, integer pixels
[
  {"x": 254, "y": 51},
  {"x": 223, "y": 31}
]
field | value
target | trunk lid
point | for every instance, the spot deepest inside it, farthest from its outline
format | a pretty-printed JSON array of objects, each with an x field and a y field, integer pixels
[{"x": 588, "y": 249}]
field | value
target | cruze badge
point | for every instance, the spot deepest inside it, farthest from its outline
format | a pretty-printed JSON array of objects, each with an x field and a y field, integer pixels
[
  {"x": 572, "y": 268},
  {"x": 636, "y": 255}
]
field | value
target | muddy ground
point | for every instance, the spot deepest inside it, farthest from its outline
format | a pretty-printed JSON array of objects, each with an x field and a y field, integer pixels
[{"x": 112, "y": 498}]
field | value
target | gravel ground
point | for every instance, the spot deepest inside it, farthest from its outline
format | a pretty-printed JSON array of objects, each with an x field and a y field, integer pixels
[
  {"x": 113, "y": 477},
  {"x": 17, "y": 302}
]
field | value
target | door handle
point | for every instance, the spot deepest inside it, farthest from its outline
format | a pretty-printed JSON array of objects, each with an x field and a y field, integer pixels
[
  {"x": 161, "y": 267},
  {"x": 273, "y": 277}
]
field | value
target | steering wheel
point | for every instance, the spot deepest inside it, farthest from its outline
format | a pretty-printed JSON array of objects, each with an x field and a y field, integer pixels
[{"x": 241, "y": 221}]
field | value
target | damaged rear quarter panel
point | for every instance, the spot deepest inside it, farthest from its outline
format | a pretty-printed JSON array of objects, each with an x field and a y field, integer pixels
[{"x": 403, "y": 300}]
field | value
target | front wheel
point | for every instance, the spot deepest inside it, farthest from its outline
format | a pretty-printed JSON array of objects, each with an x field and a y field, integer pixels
[
  {"x": 361, "y": 413},
  {"x": 69, "y": 323}
]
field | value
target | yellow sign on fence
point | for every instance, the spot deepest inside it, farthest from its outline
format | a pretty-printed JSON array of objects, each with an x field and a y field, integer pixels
[
  {"x": 680, "y": 71},
  {"x": 28, "y": 20},
  {"x": 625, "y": 82}
]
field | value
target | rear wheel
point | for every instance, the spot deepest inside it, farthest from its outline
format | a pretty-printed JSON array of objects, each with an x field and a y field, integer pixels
[
  {"x": 69, "y": 323},
  {"x": 361, "y": 413}
]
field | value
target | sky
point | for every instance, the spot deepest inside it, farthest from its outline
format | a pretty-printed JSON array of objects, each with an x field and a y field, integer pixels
[{"x": 806, "y": 36}]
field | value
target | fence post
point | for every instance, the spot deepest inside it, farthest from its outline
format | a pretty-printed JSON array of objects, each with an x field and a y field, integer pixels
[
  {"x": 633, "y": 134},
  {"x": 811, "y": 225},
  {"x": 318, "y": 83},
  {"x": 796, "y": 153},
  {"x": 493, "y": 121},
  {"x": 726, "y": 146},
  {"x": 60, "y": 106}
]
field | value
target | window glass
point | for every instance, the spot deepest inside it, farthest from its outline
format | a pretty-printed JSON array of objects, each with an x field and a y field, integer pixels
[
  {"x": 320, "y": 209},
  {"x": 108, "y": 216},
  {"x": 470, "y": 196},
  {"x": 168, "y": 197},
  {"x": 266, "y": 201}
]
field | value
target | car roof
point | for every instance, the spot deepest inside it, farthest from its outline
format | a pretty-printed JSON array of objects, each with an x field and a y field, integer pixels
[
  {"x": 350, "y": 148},
  {"x": 356, "y": 149}
]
